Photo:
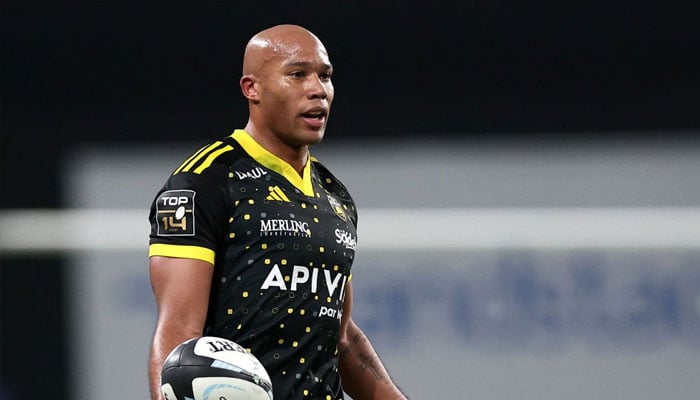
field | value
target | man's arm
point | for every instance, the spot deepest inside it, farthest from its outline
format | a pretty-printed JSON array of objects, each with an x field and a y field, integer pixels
[
  {"x": 363, "y": 374},
  {"x": 181, "y": 288}
]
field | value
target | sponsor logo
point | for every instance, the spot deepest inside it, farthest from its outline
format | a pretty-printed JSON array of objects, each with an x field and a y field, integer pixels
[
  {"x": 314, "y": 280},
  {"x": 330, "y": 312},
  {"x": 284, "y": 227},
  {"x": 345, "y": 238},
  {"x": 337, "y": 207},
  {"x": 254, "y": 173},
  {"x": 175, "y": 213}
]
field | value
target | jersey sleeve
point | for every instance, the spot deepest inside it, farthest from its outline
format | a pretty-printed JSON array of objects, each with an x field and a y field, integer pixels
[{"x": 189, "y": 214}]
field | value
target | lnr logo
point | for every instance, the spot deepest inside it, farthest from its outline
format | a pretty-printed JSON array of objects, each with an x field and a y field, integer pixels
[{"x": 175, "y": 213}]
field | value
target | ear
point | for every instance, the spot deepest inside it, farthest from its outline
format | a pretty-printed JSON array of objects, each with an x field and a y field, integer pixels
[{"x": 249, "y": 87}]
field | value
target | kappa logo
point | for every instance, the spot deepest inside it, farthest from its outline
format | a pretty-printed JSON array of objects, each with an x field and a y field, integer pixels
[
  {"x": 175, "y": 213},
  {"x": 277, "y": 194}
]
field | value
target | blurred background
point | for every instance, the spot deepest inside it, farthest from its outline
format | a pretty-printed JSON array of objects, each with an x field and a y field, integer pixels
[{"x": 527, "y": 173}]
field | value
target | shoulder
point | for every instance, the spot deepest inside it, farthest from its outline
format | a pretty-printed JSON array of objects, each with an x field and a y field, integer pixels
[
  {"x": 210, "y": 156},
  {"x": 196, "y": 190},
  {"x": 203, "y": 173},
  {"x": 209, "y": 164}
]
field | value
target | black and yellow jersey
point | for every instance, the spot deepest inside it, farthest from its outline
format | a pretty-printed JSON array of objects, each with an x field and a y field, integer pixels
[{"x": 282, "y": 246}]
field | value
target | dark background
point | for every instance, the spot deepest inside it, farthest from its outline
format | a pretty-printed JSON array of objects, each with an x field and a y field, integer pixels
[{"x": 133, "y": 72}]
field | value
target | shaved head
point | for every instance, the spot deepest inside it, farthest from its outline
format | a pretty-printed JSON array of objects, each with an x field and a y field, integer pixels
[
  {"x": 287, "y": 81},
  {"x": 280, "y": 40}
]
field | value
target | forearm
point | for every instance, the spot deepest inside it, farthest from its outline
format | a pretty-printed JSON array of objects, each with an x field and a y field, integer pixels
[
  {"x": 363, "y": 374},
  {"x": 161, "y": 346},
  {"x": 169, "y": 333},
  {"x": 155, "y": 362},
  {"x": 181, "y": 288}
]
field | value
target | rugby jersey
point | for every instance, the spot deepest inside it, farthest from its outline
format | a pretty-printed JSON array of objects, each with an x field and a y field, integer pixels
[{"x": 282, "y": 246}]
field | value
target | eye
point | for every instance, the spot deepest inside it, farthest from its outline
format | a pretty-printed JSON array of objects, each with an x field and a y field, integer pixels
[
  {"x": 297, "y": 74},
  {"x": 326, "y": 76}
]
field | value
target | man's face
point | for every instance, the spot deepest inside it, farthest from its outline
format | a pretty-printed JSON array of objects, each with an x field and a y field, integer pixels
[{"x": 296, "y": 91}]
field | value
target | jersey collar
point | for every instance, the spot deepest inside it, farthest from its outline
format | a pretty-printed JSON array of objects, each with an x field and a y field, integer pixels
[{"x": 271, "y": 161}]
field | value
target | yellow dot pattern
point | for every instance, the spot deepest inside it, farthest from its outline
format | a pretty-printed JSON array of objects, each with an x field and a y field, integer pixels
[{"x": 310, "y": 269}]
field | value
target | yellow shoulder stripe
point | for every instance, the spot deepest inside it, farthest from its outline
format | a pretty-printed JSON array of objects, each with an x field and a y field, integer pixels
[
  {"x": 190, "y": 158},
  {"x": 211, "y": 159},
  {"x": 210, "y": 152}
]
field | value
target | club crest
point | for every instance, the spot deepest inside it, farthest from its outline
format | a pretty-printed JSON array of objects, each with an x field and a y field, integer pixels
[{"x": 337, "y": 207}]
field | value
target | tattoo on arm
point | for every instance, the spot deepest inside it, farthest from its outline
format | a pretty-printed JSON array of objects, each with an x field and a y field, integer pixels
[{"x": 366, "y": 362}]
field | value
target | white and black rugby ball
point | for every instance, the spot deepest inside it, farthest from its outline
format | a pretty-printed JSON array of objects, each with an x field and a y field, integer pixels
[{"x": 213, "y": 368}]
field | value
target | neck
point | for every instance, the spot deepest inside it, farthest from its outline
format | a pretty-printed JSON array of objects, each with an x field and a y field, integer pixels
[{"x": 295, "y": 156}]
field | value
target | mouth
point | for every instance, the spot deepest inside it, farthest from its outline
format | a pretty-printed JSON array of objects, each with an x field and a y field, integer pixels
[
  {"x": 315, "y": 117},
  {"x": 316, "y": 112}
]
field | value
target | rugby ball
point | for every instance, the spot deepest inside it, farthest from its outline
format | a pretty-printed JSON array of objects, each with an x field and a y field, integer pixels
[{"x": 213, "y": 368}]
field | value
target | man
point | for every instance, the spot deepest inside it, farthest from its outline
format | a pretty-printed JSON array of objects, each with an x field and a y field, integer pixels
[{"x": 252, "y": 239}]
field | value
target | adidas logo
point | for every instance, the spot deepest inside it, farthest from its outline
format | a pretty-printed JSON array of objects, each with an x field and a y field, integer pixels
[{"x": 277, "y": 194}]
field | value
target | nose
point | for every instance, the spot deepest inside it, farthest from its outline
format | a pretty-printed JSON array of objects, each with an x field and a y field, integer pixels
[{"x": 317, "y": 87}]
